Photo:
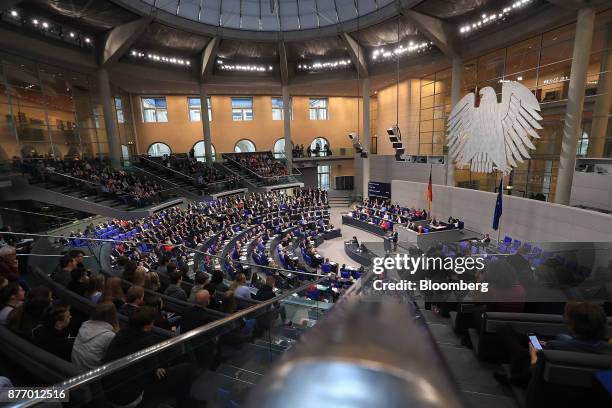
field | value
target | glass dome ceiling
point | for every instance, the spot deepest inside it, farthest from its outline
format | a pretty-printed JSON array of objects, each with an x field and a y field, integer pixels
[{"x": 270, "y": 15}]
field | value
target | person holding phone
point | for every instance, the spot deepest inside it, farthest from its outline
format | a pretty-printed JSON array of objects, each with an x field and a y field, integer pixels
[{"x": 587, "y": 324}]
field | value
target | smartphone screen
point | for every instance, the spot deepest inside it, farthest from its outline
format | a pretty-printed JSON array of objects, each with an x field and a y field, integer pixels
[{"x": 535, "y": 342}]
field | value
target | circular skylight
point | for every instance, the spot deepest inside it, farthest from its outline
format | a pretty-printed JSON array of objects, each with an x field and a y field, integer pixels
[{"x": 270, "y": 15}]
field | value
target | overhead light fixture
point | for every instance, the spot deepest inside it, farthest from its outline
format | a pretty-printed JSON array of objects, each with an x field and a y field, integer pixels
[
  {"x": 35, "y": 22},
  {"x": 14, "y": 13},
  {"x": 325, "y": 65},
  {"x": 45, "y": 24},
  {"x": 391, "y": 51},
  {"x": 72, "y": 34},
  {"x": 224, "y": 66},
  {"x": 160, "y": 58},
  {"x": 87, "y": 40},
  {"x": 488, "y": 18}
]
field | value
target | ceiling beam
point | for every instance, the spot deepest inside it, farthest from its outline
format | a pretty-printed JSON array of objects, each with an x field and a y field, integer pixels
[
  {"x": 437, "y": 31},
  {"x": 357, "y": 54},
  {"x": 207, "y": 58},
  {"x": 284, "y": 67},
  {"x": 576, "y": 4},
  {"x": 119, "y": 40},
  {"x": 8, "y": 4}
]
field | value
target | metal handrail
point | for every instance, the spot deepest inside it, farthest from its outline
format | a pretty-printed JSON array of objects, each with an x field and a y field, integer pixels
[
  {"x": 131, "y": 359},
  {"x": 72, "y": 177},
  {"x": 36, "y": 213},
  {"x": 167, "y": 168},
  {"x": 175, "y": 186},
  {"x": 256, "y": 175}
]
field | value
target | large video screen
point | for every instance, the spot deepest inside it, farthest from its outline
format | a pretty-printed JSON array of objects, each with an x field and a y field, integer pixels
[{"x": 376, "y": 189}]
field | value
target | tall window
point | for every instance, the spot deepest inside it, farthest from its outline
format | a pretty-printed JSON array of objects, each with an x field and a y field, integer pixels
[
  {"x": 323, "y": 177},
  {"x": 242, "y": 108},
  {"x": 199, "y": 151},
  {"x": 159, "y": 149},
  {"x": 317, "y": 147},
  {"x": 278, "y": 113},
  {"x": 195, "y": 109},
  {"x": 154, "y": 110},
  {"x": 244, "y": 146},
  {"x": 318, "y": 109},
  {"x": 279, "y": 149},
  {"x": 119, "y": 110}
]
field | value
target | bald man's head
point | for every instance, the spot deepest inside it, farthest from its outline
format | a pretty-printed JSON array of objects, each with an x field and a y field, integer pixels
[{"x": 202, "y": 298}]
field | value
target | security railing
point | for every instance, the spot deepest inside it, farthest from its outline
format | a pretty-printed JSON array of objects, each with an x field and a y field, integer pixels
[{"x": 255, "y": 325}]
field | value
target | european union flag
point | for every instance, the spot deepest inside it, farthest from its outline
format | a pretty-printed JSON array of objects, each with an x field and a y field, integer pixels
[{"x": 498, "y": 205}]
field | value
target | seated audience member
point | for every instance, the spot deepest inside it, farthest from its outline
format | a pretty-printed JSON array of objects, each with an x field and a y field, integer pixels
[
  {"x": 113, "y": 292},
  {"x": 240, "y": 287},
  {"x": 62, "y": 274},
  {"x": 174, "y": 289},
  {"x": 247, "y": 326},
  {"x": 11, "y": 297},
  {"x": 201, "y": 280},
  {"x": 52, "y": 335},
  {"x": 217, "y": 281},
  {"x": 587, "y": 323},
  {"x": 9, "y": 265},
  {"x": 79, "y": 281},
  {"x": 95, "y": 335},
  {"x": 95, "y": 287},
  {"x": 152, "y": 282},
  {"x": 78, "y": 256},
  {"x": 134, "y": 298},
  {"x": 266, "y": 292},
  {"x": 140, "y": 276},
  {"x": 24, "y": 318},
  {"x": 486, "y": 239},
  {"x": 196, "y": 316},
  {"x": 129, "y": 270},
  {"x": 148, "y": 378},
  {"x": 161, "y": 316}
]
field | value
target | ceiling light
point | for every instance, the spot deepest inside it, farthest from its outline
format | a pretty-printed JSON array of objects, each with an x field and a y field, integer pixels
[
  {"x": 87, "y": 40},
  {"x": 519, "y": 78},
  {"x": 14, "y": 13},
  {"x": 35, "y": 22},
  {"x": 45, "y": 24},
  {"x": 486, "y": 18},
  {"x": 72, "y": 34}
]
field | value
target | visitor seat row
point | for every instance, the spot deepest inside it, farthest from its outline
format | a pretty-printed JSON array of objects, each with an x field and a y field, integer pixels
[{"x": 486, "y": 339}]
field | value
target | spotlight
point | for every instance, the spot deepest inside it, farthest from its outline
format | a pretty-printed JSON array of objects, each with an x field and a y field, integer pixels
[
  {"x": 14, "y": 13},
  {"x": 35, "y": 22},
  {"x": 72, "y": 34},
  {"x": 87, "y": 40},
  {"x": 45, "y": 24}
]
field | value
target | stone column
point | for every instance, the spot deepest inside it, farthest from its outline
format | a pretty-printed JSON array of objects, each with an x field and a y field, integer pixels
[
  {"x": 601, "y": 109},
  {"x": 575, "y": 102},
  {"x": 287, "y": 127},
  {"x": 365, "y": 136},
  {"x": 205, "y": 124},
  {"x": 110, "y": 120}
]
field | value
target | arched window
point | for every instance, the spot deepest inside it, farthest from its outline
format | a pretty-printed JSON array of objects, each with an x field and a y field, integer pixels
[
  {"x": 199, "y": 151},
  {"x": 159, "y": 149},
  {"x": 321, "y": 142},
  {"x": 279, "y": 148},
  {"x": 244, "y": 146}
]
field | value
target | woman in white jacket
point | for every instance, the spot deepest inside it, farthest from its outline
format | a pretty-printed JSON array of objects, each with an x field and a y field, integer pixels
[{"x": 95, "y": 335}]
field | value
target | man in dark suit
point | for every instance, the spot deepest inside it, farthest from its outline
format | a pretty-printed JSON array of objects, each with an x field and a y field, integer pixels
[
  {"x": 197, "y": 315},
  {"x": 587, "y": 323},
  {"x": 148, "y": 378},
  {"x": 266, "y": 292}
]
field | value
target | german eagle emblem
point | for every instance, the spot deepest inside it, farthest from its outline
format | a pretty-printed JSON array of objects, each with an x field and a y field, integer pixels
[{"x": 494, "y": 136}]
